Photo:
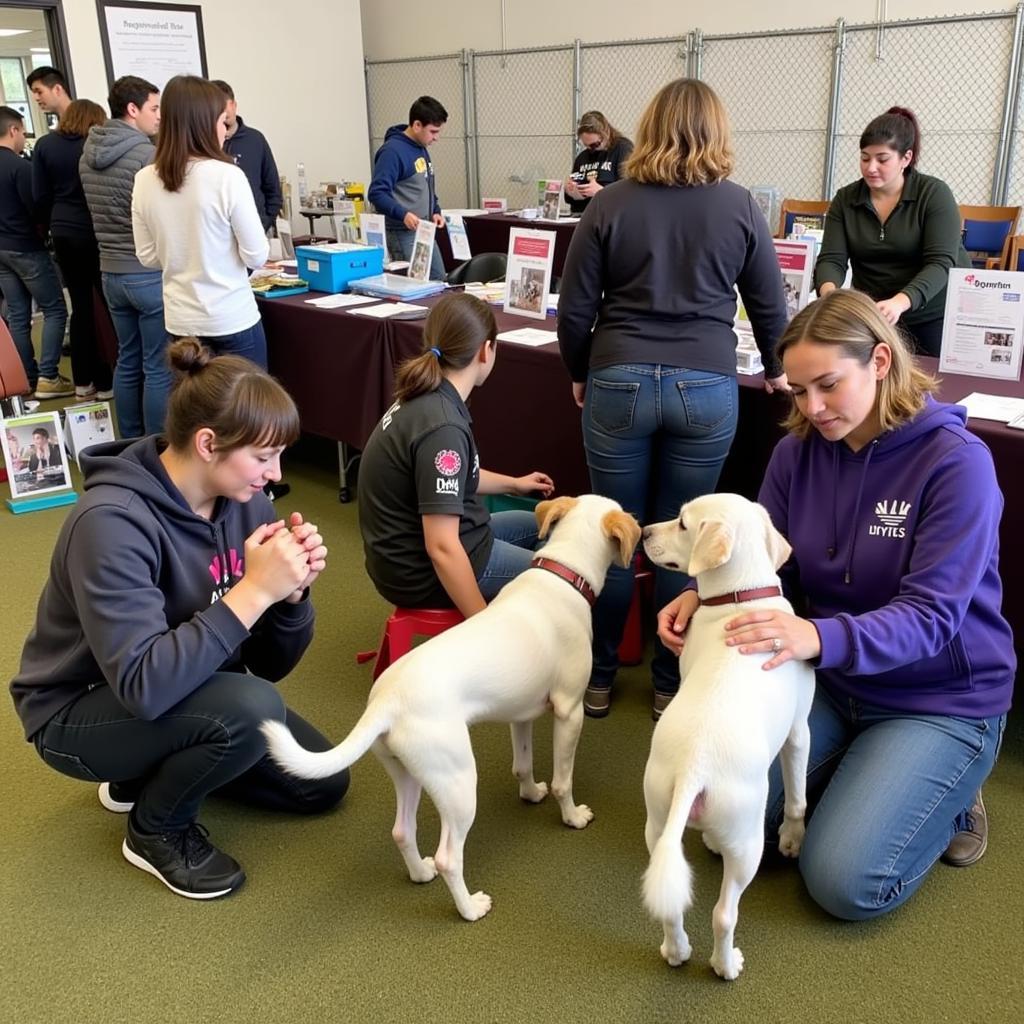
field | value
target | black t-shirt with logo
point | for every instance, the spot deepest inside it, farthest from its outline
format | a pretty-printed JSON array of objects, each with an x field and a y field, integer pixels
[
  {"x": 421, "y": 459},
  {"x": 600, "y": 165}
]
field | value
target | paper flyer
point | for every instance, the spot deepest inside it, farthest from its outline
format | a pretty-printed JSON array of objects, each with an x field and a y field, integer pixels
[
  {"x": 494, "y": 205},
  {"x": 422, "y": 250},
  {"x": 457, "y": 236},
  {"x": 528, "y": 276},
  {"x": 34, "y": 454},
  {"x": 796, "y": 261},
  {"x": 983, "y": 328},
  {"x": 552, "y": 200},
  {"x": 371, "y": 227},
  {"x": 88, "y": 424}
]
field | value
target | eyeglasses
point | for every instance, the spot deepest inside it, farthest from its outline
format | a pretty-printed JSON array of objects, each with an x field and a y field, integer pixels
[{"x": 595, "y": 146}]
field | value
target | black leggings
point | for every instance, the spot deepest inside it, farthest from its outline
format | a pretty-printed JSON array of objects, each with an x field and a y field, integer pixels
[{"x": 208, "y": 742}]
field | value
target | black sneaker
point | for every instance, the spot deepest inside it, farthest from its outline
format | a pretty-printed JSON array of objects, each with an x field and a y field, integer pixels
[
  {"x": 118, "y": 797},
  {"x": 186, "y": 861}
]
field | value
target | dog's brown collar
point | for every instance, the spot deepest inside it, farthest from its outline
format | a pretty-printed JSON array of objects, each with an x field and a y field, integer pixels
[
  {"x": 565, "y": 573},
  {"x": 739, "y": 596}
]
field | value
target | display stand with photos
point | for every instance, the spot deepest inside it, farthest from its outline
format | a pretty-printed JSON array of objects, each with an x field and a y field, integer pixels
[
  {"x": 37, "y": 465},
  {"x": 422, "y": 251},
  {"x": 528, "y": 275},
  {"x": 983, "y": 327},
  {"x": 85, "y": 425}
]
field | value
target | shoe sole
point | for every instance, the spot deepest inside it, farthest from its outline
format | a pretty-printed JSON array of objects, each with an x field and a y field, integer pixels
[
  {"x": 117, "y": 806},
  {"x": 140, "y": 862},
  {"x": 592, "y": 712},
  {"x": 42, "y": 396},
  {"x": 969, "y": 861}
]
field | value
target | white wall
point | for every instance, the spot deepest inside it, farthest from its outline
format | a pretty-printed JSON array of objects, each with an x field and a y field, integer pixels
[
  {"x": 401, "y": 28},
  {"x": 301, "y": 84}
]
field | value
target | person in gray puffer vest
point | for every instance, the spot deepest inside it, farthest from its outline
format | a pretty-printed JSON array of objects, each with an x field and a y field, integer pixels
[{"x": 114, "y": 152}]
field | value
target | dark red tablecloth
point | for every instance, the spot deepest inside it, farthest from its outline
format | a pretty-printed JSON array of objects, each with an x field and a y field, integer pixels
[
  {"x": 488, "y": 232},
  {"x": 340, "y": 369}
]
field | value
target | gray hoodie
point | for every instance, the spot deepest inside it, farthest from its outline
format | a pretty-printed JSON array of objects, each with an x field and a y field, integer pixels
[
  {"x": 113, "y": 154},
  {"x": 133, "y": 597}
]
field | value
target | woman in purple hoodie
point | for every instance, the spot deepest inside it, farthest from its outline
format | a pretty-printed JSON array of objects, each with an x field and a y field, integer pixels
[{"x": 892, "y": 508}]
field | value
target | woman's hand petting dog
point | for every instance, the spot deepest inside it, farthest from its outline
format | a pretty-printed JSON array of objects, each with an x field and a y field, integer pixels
[
  {"x": 674, "y": 618},
  {"x": 788, "y": 636}
]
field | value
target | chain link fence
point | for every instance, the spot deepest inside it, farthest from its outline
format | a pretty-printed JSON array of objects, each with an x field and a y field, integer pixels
[{"x": 798, "y": 101}]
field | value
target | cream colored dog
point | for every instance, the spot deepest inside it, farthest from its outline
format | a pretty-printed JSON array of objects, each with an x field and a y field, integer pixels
[
  {"x": 528, "y": 651},
  {"x": 712, "y": 748}
]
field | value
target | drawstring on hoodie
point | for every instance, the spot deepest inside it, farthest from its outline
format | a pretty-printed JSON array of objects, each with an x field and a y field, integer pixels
[{"x": 847, "y": 572}]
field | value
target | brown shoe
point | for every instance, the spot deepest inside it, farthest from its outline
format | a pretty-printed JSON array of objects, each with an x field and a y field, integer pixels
[
  {"x": 597, "y": 702},
  {"x": 661, "y": 701},
  {"x": 968, "y": 846}
]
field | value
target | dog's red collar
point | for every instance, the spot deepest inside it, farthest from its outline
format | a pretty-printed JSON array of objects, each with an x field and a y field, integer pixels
[
  {"x": 570, "y": 577},
  {"x": 739, "y": 596}
]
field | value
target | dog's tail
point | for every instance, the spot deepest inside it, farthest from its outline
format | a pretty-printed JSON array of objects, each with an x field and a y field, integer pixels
[
  {"x": 307, "y": 764},
  {"x": 667, "y": 886}
]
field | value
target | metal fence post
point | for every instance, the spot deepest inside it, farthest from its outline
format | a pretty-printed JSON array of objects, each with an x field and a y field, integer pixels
[
  {"x": 577, "y": 96},
  {"x": 1011, "y": 104},
  {"x": 835, "y": 92},
  {"x": 467, "y": 124},
  {"x": 369, "y": 113},
  {"x": 474, "y": 197},
  {"x": 697, "y": 54}
]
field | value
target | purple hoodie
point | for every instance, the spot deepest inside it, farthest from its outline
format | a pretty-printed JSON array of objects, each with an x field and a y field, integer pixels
[{"x": 895, "y": 550}]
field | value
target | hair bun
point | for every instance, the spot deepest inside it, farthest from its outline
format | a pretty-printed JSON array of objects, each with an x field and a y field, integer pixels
[{"x": 188, "y": 355}]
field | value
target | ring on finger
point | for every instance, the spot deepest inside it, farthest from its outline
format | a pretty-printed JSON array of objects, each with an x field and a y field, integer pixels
[{"x": 776, "y": 645}]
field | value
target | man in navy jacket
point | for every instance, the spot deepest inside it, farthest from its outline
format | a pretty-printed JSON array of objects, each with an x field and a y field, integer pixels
[{"x": 251, "y": 152}]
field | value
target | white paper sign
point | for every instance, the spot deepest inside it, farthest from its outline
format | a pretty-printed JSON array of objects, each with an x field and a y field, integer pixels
[
  {"x": 154, "y": 43},
  {"x": 422, "y": 251},
  {"x": 457, "y": 236},
  {"x": 88, "y": 424},
  {"x": 983, "y": 328},
  {"x": 372, "y": 227},
  {"x": 528, "y": 276}
]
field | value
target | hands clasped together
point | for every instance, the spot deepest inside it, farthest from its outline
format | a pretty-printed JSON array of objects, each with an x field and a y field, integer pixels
[{"x": 282, "y": 561}]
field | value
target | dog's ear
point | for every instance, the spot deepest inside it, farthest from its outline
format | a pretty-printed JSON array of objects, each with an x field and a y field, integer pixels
[
  {"x": 778, "y": 547},
  {"x": 622, "y": 527},
  {"x": 549, "y": 512},
  {"x": 712, "y": 548}
]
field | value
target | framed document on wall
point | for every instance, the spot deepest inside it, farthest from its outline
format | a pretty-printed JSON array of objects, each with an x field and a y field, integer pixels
[{"x": 154, "y": 41}]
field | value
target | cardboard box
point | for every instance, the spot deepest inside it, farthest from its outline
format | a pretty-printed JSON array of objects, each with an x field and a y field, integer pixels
[{"x": 329, "y": 267}]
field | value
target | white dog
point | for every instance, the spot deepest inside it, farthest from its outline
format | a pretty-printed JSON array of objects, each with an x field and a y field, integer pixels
[
  {"x": 528, "y": 651},
  {"x": 712, "y": 748}
]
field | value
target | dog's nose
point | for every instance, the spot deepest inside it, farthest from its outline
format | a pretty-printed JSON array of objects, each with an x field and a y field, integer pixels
[{"x": 646, "y": 532}]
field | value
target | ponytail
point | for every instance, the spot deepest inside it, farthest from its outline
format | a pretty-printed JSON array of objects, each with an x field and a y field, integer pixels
[{"x": 898, "y": 129}]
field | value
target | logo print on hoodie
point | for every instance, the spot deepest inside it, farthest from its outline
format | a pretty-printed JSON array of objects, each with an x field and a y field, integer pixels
[
  {"x": 892, "y": 515},
  {"x": 222, "y": 569}
]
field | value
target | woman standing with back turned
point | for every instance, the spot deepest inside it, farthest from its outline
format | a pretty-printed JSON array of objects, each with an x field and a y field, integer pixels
[
  {"x": 193, "y": 215},
  {"x": 645, "y": 326}
]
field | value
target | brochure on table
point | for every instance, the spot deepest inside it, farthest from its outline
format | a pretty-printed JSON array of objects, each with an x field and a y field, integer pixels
[
  {"x": 371, "y": 227},
  {"x": 346, "y": 220},
  {"x": 983, "y": 328},
  {"x": 528, "y": 275},
  {"x": 87, "y": 424},
  {"x": 37, "y": 469},
  {"x": 552, "y": 200},
  {"x": 457, "y": 234},
  {"x": 422, "y": 251},
  {"x": 796, "y": 263}
]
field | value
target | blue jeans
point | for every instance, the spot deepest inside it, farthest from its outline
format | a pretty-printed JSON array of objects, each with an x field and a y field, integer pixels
[
  {"x": 400, "y": 242},
  {"x": 515, "y": 537},
  {"x": 656, "y": 437},
  {"x": 25, "y": 276},
  {"x": 208, "y": 742},
  {"x": 142, "y": 377},
  {"x": 893, "y": 787},
  {"x": 250, "y": 343}
]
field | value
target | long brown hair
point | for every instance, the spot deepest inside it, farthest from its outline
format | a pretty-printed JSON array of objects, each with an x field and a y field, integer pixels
[
  {"x": 682, "y": 138},
  {"x": 593, "y": 122},
  {"x": 851, "y": 321},
  {"x": 241, "y": 403},
  {"x": 452, "y": 335},
  {"x": 80, "y": 116},
  {"x": 189, "y": 109}
]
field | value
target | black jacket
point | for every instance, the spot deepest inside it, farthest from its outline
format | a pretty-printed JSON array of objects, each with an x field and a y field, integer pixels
[
  {"x": 251, "y": 152},
  {"x": 57, "y": 186},
  {"x": 18, "y": 221}
]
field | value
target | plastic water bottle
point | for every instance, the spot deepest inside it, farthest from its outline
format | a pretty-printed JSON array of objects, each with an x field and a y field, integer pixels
[{"x": 303, "y": 187}]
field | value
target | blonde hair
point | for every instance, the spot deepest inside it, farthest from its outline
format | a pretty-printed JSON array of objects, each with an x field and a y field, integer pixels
[
  {"x": 682, "y": 137},
  {"x": 851, "y": 321}
]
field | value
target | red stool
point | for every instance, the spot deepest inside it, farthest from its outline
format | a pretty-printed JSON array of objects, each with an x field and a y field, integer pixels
[
  {"x": 631, "y": 649},
  {"x": 403, "y": 624}
]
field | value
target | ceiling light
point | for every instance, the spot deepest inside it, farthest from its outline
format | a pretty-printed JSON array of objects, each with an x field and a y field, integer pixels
[{"x": 14, "y": 31}]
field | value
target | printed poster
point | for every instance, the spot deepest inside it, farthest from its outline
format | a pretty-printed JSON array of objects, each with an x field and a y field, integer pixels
[
  {"x": 983, "y": 326},
  {"x": 528, "y": 276}
]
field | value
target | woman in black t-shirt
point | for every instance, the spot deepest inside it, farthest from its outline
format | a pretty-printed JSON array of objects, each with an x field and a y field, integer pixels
[{"x": 597, "y": 163}]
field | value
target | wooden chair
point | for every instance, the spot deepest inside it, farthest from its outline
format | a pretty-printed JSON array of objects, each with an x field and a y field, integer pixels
[
  {"x": 986, "y": 232},
  {"x": 1015, "y": 256},
  {"x": 804, "y": 208}
]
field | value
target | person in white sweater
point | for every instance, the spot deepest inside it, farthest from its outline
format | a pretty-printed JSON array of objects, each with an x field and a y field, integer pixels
[{"x": 194, "y": 217}]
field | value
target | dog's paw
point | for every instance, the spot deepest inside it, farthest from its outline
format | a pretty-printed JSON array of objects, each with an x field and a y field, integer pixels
[
  {"x": 710, "y": 843},
  {"x": 728, "y": 966},
  {"x": 579, "y": 816},
  {"x": 479, "y": 905},
  {"x": 533, "y": 792},
  {"x": 426, "y": 872},
  {"x": 791, "y": 837},
  {"x": 675, "y": 954}
]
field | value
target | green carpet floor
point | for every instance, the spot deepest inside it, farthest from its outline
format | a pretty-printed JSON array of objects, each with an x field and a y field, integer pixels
[{"x": 328, "y": 927}]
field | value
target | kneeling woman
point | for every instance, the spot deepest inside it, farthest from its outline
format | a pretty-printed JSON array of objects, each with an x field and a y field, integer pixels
[
  {"x": 428, "y": 539},
  {"x": 175, "y": 598}
]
